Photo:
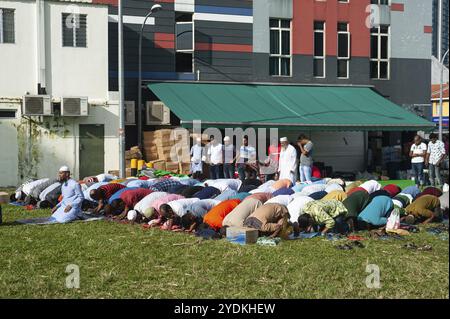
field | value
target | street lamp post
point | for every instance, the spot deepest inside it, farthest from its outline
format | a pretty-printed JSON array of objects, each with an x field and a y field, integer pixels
[
  {"x": 441, "y": 95},
  {"x": 122, "y": 169},
  {"x": 155, "y": 8}
]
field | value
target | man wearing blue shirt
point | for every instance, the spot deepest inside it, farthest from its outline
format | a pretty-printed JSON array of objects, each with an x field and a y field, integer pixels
[{"x": 69, "y": 209}]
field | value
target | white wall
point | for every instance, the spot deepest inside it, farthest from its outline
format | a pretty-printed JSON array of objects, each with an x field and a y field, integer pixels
[
  {"x": 77, "y": 71},
  {"x": 18, "y": 60},
  {"x": 9, "y": 149},
  {"x": 407, "y": 30},
  {"x": 37, "y": 148},
  {"x": 344, "y": 151}
]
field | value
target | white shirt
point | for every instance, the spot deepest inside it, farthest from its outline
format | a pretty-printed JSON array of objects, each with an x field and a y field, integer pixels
[
  {"x": 196, "y": 153},
  {"x": 225, "y": 183},
  {"x": 215, "y": 153},
  {"x": 46, "y": 191},
  {"x": 280, "y": 199},
  {"x": 28, "y": 187},
  {"x": 246, "y": 153},
  {"x": 288, "y": 163},
  {"x": 333, "y": 187},
  {"x": 310, "y": 189},
  {"x": 264, "y": 188},
  {"x": 371, "y": 186},
  {"x": 229, "y": 152},
  {"x": 180, "y": 206},
  {"x": 418, "y": 149},
  {"x": 148, "y": 200},
  {"x": 87, "y": 191},
  {"x": 436, "y": 150},
  {"x": 296, "y": 207}
]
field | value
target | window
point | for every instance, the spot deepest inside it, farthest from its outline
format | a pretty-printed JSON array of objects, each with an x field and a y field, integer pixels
[
  {"x": 7, "y": 114},
  {"x": 319, "y": 49},
  {"x": 343, "y": 56},
  {"x": 280, "y": 47},
  {"x": 74, "y": 30},
  {"x": 379, "y": 52},
  {"x": 7, "y": 26},
  {"x": 380, "y": 2},
  {"x": 184, "y": 42}
]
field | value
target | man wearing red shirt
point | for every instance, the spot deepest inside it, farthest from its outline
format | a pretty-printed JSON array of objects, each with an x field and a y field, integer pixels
[
  {"x": 127, "y": 201},
  {"x": 103, "y": 193}
]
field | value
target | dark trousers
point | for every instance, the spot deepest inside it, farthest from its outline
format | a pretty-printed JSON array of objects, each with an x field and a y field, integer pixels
[
  {"x": 245, "y": 173},
  {"x": 216, "y": 171},
  {"x": 418, "y": 173},
  {"x": 241, "y": 171},
  {"x": 228, "y": 170}
]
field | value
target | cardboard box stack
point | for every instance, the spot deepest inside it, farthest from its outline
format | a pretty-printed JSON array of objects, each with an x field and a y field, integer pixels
[
  {"x": 132, "y": 153},
  {"x": 160, "y": 145}
]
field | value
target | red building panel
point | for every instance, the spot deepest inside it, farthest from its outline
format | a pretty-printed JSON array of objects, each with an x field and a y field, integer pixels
[
  {"x": 332, "y": 12},
  {"x": 110, "y": 2},
  {"x": 164, "y": 40},
  {"x": 428, "y": 29},
  {"x": 397, "y": 7},
  {"x": 223, "y": 47}
]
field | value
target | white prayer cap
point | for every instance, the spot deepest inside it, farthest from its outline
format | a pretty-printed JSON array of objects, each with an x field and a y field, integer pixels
[
  {"x": 283, "y": 139},
  {"x": 226, "y": 139},
  {"x": 64, "y": 168},
  {"x": 132, "y": 215}
]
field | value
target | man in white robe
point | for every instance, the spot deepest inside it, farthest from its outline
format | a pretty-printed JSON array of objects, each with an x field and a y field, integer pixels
[{"x": 288, "y": 161}]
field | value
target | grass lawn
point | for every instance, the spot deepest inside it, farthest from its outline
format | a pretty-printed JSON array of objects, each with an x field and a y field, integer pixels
[{"x": 125, "y": 261}]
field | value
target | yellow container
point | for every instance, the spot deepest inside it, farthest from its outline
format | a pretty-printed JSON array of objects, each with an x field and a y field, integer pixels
[
  {"x": 134, "y": 163},
  {"x": 140, "y": 164},
  {"x": 150, "y": 165}
]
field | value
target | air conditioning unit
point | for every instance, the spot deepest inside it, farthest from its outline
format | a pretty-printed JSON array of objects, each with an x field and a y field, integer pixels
[
  {"x": 130, "y": 113},
  {"x": 74, "y": 106},
  {"x": 157, "y": 113},
  {"x": 39, "y": 105}
]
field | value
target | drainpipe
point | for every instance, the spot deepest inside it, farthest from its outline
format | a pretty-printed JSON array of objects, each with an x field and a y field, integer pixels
[{"x": 40, "y": 46}]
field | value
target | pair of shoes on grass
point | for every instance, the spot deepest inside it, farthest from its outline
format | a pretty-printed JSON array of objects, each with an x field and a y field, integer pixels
[
  {"x": 413, "y": 246},
  {"x": 350, "y": 245}
]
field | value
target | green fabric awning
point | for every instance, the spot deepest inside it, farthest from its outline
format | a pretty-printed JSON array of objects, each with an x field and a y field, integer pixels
[{"x": 288, "y": 107}]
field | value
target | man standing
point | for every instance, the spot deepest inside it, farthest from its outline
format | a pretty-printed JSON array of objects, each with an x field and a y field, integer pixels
[
  {"x": 69, "y": 209},
  {"x": 196, "y": 157},
  {"x": 270, "y": 166},
  {"x": 435, "y": 156},
  {"x": 246, "y": 152},
  {"x": 306, "y": 160},
  {"x": 288, "y": 161},
  {"x": 228, "y": 150},
  {"x": 215, "y": 153},
  {"x": 417, "y": 153}
]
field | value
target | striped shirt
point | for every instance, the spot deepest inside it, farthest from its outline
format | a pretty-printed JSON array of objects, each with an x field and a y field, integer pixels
[{"x": 164, "y": 185}]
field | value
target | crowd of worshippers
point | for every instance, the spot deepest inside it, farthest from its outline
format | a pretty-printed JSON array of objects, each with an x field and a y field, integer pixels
[
  {"x": 284, "y": 160},
  {"x": 275, "y": 208}
]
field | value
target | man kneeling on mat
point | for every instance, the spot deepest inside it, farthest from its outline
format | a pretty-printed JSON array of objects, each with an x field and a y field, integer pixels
[
  {"x": 270, "y": 219},
  {"x": 324, "y": 215}
]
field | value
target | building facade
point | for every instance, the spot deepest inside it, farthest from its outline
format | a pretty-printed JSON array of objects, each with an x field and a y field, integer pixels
[
  {"x": 445, "y": 34},
  {"x": 380, "y": 43},
  {"x": 58, "y": 50}
]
